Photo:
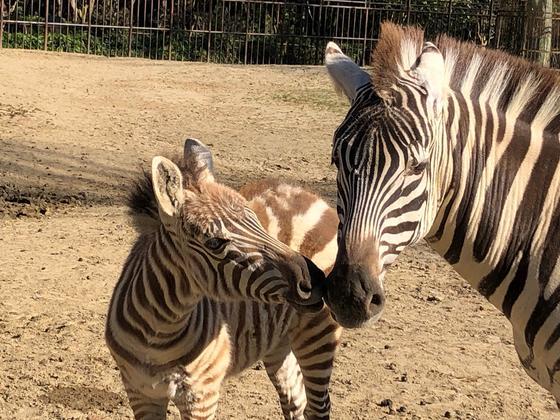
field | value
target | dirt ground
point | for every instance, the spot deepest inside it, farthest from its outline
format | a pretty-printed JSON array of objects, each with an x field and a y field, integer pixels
[{"x": 75, "y": 129}]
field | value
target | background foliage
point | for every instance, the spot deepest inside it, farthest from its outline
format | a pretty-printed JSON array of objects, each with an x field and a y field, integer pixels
[{"x": 268, "y": 31}]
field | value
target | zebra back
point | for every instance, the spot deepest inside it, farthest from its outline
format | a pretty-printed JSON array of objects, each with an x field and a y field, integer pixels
[{"x": 297, "y": 217}]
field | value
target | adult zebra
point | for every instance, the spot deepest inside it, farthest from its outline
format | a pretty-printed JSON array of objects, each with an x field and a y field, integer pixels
[{"x": 459, "y": 145}]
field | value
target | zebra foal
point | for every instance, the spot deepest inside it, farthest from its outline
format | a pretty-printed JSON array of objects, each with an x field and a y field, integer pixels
[
  {"x": 461, "y": 146},
  {"x": 203, "y": 294}
]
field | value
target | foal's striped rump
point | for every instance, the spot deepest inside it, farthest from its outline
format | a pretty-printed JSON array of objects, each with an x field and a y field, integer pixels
[{"x": 177, "y": 326}]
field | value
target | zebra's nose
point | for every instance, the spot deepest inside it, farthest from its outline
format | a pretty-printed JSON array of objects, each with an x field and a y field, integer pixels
[
  {"x": 309, "y": 284},
  {"x": 376, "y": 305},
  {"x": 354, "y": 295}
]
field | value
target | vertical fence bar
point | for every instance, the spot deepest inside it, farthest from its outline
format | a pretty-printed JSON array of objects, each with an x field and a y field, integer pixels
[
  {"x": 2, "y": 22},
  {"x": 45, "y": 44},
  {"x": 248, "y": 5},
  {"x": 449, "y": 10},
  {"x": 90, "y": 12},
  {"x": 497, "y": 31},
  {"x": 209, "y": 30},
  {"x": 408, "y": 9},
  {"x": 130, "y": 22},
  {"x": 490, "y": 14},
  {"x": 525, "y": 30},
  {"x": 365, "y": 37},
  {"x": 170, "y": 29}
]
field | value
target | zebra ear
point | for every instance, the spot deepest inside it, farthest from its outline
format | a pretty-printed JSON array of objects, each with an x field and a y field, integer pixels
[
  {"x": 168, "y": 186},
  {"x": 199, "y": 158},
  {"x": 346, "y": 75},
  {"x": 429, "y": 71}
]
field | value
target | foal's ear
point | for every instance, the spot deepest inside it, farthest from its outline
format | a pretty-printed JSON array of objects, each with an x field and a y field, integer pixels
[
  {"x": 199, "y": 160},
  {"x": 429, "y": 71},
  {"x": 168, "y": 186}
]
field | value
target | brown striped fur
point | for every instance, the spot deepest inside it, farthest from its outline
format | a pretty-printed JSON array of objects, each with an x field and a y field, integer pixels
[
  {"x": 297, "y": 348},
  {"x": 273, "y": 199}
]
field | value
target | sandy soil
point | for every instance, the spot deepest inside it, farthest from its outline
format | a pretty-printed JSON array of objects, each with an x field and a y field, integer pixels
[{"x": 75, "y": 129}]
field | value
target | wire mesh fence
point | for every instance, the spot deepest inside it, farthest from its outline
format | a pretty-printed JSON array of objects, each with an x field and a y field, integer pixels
[{"x": 268, "y": 31}]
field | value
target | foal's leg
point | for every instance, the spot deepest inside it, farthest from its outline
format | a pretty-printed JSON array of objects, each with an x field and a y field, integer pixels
[
  {"x": 314, "y": 341},
  {"x": 198, "y": 404},
  {"x": 285, "y": 375},
  {"x": 145, "y": 408}
]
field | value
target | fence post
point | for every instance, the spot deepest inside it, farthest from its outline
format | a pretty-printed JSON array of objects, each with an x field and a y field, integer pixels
[
  {"x": 545, "y": 9},
  {"x": 170, "y": 30},
  {"x": 131, "y": 13},
  {"x": 2, "y": 22},
  {"x": 90, "y": 12},
  {"x": 45, "y": 44},
  {"x": 365, "y": 37},
  {"x": 247, "y": 31},
  {"x": 209, "y": 30}
]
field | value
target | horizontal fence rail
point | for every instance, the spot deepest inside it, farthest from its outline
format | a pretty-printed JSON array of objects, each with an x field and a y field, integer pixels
[{"x": 270, "y": 31}]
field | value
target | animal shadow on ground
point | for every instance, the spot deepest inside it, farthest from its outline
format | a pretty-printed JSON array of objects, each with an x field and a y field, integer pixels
[
  {"x": 38, "y": 179},
  {"x": 83, "y": 398}
]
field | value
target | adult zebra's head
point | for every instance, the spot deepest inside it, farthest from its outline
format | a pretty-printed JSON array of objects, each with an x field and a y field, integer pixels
[
  {"x": 220, "y": 243},
  {"x": 382, "y": 152}
]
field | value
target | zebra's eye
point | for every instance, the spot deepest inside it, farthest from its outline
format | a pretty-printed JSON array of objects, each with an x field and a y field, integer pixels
[
  {"x": 416, "y": 168},
  {"x": 215, "y": 244}
]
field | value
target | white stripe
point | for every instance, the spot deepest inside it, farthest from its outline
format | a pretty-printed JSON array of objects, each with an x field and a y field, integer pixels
[
  {"x": 326, "y": 257},
  {"x": 303, "y": 223}
]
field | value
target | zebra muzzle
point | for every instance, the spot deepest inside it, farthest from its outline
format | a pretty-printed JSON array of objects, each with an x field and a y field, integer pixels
[
  {"x": 309, "y": 288},
  {"x": 354, "y": 296}
]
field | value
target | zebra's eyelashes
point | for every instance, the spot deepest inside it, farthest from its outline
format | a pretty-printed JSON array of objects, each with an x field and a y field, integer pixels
[
  {"x": 216, "y": 244},
  {"x": 416, "y": 167}
]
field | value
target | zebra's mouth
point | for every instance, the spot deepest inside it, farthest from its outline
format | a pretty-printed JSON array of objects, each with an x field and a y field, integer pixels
[{"x": 310, "y": 307}]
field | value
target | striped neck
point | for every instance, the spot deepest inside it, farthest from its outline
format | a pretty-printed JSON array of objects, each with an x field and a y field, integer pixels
[
  {"x": 164, "y": 286},
  {"x": 465, "y": 155},
  {"x": 493, "y": 166}
]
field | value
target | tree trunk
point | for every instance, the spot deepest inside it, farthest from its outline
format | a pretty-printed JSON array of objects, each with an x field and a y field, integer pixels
[{"x": 542, "y": 15}]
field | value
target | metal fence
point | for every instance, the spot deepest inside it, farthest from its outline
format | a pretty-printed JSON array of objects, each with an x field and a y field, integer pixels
[{"x": 264, "y": 31}]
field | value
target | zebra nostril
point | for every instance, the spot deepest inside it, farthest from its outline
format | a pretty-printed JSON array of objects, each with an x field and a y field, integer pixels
[{"x": 376, "y": 300}]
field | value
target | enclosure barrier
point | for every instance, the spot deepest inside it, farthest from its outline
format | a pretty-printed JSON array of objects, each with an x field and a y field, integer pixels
[{"x": 270, "y": 31}]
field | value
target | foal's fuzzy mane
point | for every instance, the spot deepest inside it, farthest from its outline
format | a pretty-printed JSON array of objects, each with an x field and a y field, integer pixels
[{"x": 514, "y": 84}]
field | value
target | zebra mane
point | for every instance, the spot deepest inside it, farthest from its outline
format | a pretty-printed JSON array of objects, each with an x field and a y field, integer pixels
[
  {"x": 142, "y": 205},
  {"x": 141, "y": 200},
  {"x": 509, "y": 83}
]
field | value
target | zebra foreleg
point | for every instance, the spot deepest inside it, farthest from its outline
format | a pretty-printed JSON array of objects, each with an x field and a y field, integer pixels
[
  {"x": 284, "y": 373},
  {"x": 145, "y": 408},
  {"x": 314, "y": 343}
]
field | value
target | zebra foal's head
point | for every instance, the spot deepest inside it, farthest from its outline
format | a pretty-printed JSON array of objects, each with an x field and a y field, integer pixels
[
  {"x": 221, "y": 245},
  {"x": 382, "y": 154}
]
